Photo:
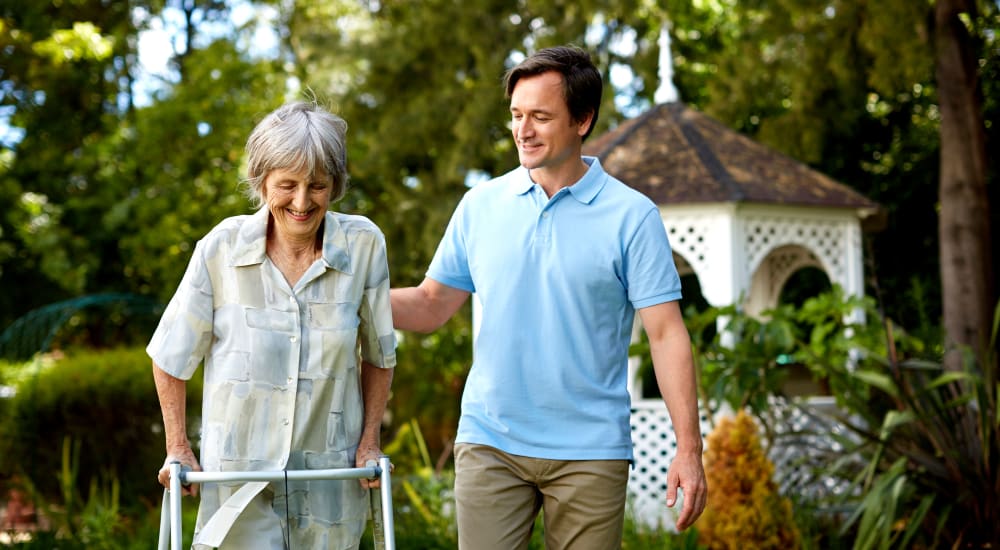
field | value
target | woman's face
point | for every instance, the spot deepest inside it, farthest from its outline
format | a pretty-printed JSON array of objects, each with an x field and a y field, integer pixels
[{"x": 297, "y": 202}]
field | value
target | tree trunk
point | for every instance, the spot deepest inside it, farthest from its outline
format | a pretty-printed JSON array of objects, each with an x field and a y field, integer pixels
[{"x": 964, "y": 223}]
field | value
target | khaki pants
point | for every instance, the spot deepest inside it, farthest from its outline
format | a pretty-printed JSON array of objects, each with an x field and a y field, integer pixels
[{"x": 498, "y": 496}]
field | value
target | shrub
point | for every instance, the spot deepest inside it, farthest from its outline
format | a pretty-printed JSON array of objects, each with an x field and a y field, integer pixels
[
  {"x": 744, "y": 509},
  {"x": 103, "y": 401}
]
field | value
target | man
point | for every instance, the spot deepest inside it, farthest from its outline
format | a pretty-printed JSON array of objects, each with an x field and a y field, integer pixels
[{"x": 561, "y": 255}]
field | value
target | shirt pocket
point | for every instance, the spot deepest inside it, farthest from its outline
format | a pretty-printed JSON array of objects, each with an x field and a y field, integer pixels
[
  {"x": 334, "y": 316},
  {"x": 270, "y": 319},
  {"x": 228, "y": 367}
]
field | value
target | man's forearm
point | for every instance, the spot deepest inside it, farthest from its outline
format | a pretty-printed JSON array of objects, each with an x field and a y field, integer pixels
[{"x": 673, "y": 365}]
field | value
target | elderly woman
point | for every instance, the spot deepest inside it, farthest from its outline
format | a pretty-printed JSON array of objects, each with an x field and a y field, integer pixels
[{"x": 282, "y": 305}]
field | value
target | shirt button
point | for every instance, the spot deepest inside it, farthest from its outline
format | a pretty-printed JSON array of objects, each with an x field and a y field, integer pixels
[
  {"x": 293, "y": 338},
  {"x": 545, "y": 214},
  {"x": 285, "y": 422},
  {"x": 290, "y": 379},
  {"x": 291, "y": 299}
]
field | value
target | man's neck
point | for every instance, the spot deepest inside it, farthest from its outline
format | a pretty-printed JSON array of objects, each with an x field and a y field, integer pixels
[{"x": 552, "y": 180}]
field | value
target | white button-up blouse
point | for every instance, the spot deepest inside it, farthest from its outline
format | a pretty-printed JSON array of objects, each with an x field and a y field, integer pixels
[{"x": 281, "y": 379}]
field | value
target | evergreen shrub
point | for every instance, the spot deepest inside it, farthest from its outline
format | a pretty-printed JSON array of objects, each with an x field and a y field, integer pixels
[{"x": 744, "y": 508}]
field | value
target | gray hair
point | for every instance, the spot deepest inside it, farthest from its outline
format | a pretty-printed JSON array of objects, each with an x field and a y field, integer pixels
[{"x": 298, "y": 136}]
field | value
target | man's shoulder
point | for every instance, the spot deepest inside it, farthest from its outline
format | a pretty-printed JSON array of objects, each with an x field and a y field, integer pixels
[
  {"x": 503, "y": 183},
  {"x": 616, "y": 189}
]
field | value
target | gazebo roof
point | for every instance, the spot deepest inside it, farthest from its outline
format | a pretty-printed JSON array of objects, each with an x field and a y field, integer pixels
[{"x": 676, "y": 155}]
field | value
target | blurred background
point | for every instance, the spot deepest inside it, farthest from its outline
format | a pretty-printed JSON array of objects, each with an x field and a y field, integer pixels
[{"x": 122, "y": 125}]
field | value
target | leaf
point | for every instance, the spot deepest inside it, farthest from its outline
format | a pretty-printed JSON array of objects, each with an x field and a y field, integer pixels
[
  {"x": 894, "y": 419},
  {"x": 949, "y": 378},
  {"x": 881, "y": 381}
]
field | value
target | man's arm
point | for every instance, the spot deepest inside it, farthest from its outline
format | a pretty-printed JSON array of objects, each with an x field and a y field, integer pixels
[
  {"x": 670, "y": 348},
  {"x": 173, "y": 398},
  {"x": 426, "y": 307}
]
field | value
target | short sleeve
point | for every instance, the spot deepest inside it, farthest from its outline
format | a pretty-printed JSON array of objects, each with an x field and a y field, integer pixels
[
  {"x": 375, "y": 331},
  {"x": 650, "y": 272},
  {"x": 182, "y": 338},
  {"x": 450, "y": 265}
]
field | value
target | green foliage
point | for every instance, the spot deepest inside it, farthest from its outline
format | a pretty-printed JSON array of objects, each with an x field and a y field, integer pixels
[
  {"x": 746, "y": 371},
  {"x": 746, "y": 363},
  {"x": 930, "y": 443},
  {"x": 64, "y": 67},
  {"x": 922, "y": 454},
  {"x": 106, "y": 402},
  {"x": 182, "y": 162},
  {"x": 639, "y": 537},
  {"x": 744, "y": 509},
  {"x": 423, "y": 499},
  {"x": 98, "y": 522},
  {"x": 94, "y": 522},
  {"x": 428, "y": 384}
]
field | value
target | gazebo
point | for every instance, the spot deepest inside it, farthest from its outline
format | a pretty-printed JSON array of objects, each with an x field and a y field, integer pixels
[{"x": 743, "y": 219}]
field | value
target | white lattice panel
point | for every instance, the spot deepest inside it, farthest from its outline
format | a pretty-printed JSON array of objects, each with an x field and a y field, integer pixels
[
  {"x": 655, "y": 446},
  {"x": 774, "y": 271},
  {"x": 826, "y": 238},
  {"x": 702, "y": 236},
  {"x": 800, "y": 449},
  {"x": 690, "y": 237}
]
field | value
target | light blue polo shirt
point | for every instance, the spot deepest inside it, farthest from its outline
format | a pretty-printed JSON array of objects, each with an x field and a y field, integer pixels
[{"x": 559, "y": 281}]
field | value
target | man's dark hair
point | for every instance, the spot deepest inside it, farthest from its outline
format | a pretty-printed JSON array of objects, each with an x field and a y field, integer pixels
[{"x": 582, "y": 83}]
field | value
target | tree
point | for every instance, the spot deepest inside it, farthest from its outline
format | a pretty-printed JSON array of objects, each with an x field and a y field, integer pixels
[
  {"x": 964, "y": 224},
  {"x": 108, "y": 195},
  {"x": 850, "y": 87},
  {"x": 64, "y": 70}
]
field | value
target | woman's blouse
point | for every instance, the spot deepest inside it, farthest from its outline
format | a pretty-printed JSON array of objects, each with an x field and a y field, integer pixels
[{"x": 281, "y": 379}]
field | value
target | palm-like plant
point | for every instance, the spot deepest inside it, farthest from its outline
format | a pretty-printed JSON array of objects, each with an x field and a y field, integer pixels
[{"x": 929, "y": 440}]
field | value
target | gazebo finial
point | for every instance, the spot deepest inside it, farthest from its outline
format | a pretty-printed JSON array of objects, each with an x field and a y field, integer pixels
[{"x": 666, "y": 92}]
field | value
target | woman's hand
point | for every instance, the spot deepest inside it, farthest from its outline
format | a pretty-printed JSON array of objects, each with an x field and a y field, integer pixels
[
  {"x": 365, "y": 454},
  {"x": 186, "y": 457}
]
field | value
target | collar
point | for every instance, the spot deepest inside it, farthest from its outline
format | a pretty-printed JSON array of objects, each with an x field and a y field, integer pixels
[
  {"x": 251, "y": 242},
  {"x": 584, "y": 190}
]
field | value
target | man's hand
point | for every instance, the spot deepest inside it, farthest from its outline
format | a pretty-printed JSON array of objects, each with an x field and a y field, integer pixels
[
  {"x": 687, "y": 472},
  {"x": 186, "y": 457}
]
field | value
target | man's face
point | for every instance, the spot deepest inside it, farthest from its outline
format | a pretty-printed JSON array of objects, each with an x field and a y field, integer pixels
[{"x": 546, "y": 135}]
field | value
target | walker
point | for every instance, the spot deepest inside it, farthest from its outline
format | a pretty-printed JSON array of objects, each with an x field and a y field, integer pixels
[{"x": 381, "y": 499}]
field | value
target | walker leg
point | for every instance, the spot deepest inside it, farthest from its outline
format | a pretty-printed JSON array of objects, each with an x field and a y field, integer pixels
[
  {"x": 176, "y": 532},
  {"x": 163, "y": 543},
  {"x": 386, "y": 501}
]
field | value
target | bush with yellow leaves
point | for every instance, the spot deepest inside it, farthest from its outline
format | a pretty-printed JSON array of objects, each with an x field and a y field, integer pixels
[{"x": 744, "y": 508}]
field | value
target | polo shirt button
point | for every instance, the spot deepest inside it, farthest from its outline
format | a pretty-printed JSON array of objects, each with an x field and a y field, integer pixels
[{"x": 545, "y": 214}]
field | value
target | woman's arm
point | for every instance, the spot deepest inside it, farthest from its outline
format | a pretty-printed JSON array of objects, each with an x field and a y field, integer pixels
[
  {"x": 173, "y": 398},
  {"x": 375, "y": 384}
]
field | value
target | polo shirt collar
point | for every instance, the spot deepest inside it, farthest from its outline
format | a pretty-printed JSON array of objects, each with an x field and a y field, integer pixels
[
  {"x": 251, "y": 242},
  {"x": 583, "y": 190}
]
